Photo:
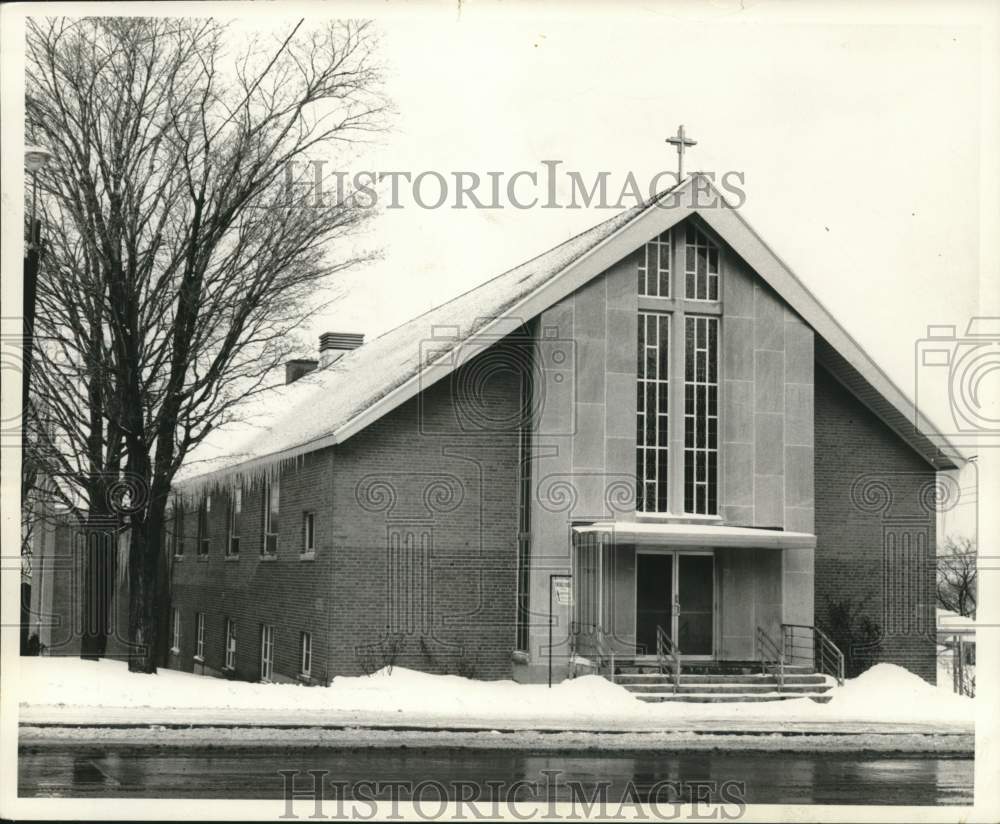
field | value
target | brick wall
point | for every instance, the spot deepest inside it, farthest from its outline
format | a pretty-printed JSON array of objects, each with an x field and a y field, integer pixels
[
  {"x": 875, "y": 530},
  {"x": 426, "y": 528},
  {"x": 416, "y": 545},
  {"x": 286, "y": 592}
]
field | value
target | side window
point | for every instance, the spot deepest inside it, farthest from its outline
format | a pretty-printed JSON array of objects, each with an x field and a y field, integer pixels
[{"x": 272, "y": 505}]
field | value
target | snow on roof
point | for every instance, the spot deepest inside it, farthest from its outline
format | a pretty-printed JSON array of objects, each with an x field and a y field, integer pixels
[
  {"x": 948, "y": 621},
  {"x": 662, "y": 533},
  {"x": 297, "y": 418},
  {"x": 331, "y": 404}
]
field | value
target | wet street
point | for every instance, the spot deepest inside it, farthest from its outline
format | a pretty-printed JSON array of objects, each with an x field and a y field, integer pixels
[{"x": 724, "y": 777}]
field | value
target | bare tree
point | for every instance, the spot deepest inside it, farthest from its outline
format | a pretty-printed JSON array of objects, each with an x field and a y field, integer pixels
[
  {"x": 956, "y": 577},
  {"x": 179, "y": 260}
]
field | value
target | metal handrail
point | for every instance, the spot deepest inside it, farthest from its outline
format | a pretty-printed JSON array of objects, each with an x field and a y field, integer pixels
[
  {"x": 770, "y": 654},
  {"x": 605, "y": 652},
  {"x": 826, "y": 655},
  {"x": 667, "y": 649}
]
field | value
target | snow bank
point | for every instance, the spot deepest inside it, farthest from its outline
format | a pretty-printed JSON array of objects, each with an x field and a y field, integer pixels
[
  {"x": 105, "y": 683},
  {"x": 885, "y": 693}
]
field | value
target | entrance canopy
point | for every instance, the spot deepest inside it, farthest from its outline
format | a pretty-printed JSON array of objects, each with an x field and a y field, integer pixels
[{"x": 701, "y": 535}]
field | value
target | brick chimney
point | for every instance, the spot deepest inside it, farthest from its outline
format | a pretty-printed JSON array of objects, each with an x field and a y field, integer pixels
[
  {"x": 334, "y": 345},
  {"x": 295, "y": 369}
]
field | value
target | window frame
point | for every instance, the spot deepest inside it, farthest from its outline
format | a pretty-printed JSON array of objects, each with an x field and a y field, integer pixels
[
  {"x": 199, "y": 636},
  {"x": 266, "y": 671},
  {"x": 662, "y": 276},
  {"x": 710, "y": 451},
  {"x": 204, "y": 526},
  {"x": 235, "y": 513},
  {"x": 229, "y": 647},
  {"x": 175, "y": 631},
  {"x": 661, "y": 432},
  {"x": 679, "y": 308},
  {"x": 177, "y": 539},
  {"x": 271, "y": 506},
  {"x": 305, "y": 654},
  {"x": 702, "y": 241}
]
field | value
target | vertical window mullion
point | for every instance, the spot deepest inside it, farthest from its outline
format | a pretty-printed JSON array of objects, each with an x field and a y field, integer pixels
[
  {"x": 701, "y": 439},
  {"x": 652, "y": 396}
]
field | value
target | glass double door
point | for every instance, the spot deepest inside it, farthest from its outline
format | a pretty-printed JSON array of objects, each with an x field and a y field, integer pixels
[{"x": 676, "y": 591}]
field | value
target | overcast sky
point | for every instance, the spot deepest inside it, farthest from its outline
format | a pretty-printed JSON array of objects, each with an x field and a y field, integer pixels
[
  {"x": 867, "y": 134},
  {"x": 861, "y": 145}
]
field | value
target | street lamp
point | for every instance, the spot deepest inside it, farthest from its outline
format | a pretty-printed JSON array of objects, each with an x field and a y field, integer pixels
[{"x": 35, "y": 158}]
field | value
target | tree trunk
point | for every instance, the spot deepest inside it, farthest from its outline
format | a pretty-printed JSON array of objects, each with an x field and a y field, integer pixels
[
  {"x": 95, "y": 550},
  {"x": 148, "y": 601}
]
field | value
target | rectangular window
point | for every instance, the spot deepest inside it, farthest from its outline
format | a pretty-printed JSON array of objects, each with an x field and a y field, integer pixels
[
  {"x": 266, "y": 652},
  {"x": 652, "y": 412},
  {"x": 701, "y": 414},
  {"x": 178, "y": 527},
  {"x": 230, "y": 645},
  {"x": 305, "y": 665},
  {"x": 204, "y": 535},
  {"x": 654, "y": 267},
  {"x": 199, "y": 631},
  {"x": 308, "y": 532},
  {"x": 701, "y": 266},
  {"x": 235, "y": 511},
  {"x": 175, "y": 632},
  {"x": 271, "y": 507}
]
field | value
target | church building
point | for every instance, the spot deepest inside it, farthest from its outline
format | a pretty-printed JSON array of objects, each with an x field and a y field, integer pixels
[{"x": 648, "y": 445}]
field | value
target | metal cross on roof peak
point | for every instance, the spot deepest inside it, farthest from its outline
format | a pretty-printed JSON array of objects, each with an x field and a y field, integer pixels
[{"x": 681, "y": 141}]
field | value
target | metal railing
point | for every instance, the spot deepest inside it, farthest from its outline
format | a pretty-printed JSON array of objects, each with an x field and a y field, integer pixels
[
  {"x": 813, "y": 646},
  {"x": 591, "y": 643},
  {"x": 668, "y": 654},
  {"x": 605, "y": 654},
  {"x": 770, "y": 655}
]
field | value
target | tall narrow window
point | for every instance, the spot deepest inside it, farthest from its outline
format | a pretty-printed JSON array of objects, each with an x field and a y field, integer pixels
[
  {"x": 305, "y": 662},
  {"x": 654, "y": 267},
  {"x": 204, "y": 536},
  {"x": 701, "y": 414},
  {"x": 175, "y": 631},
  {"x": 266, "y": 652},
  {"x": 652, "y": 408},
  {"x": 271, "y": 508},
  {"x": 230, "y": 644},
  {"x": 701, "y": 266},
  {"x": 178, "y": 525},
  {"x": 199, "y": 633},
  {"x": 235, "y": 513},
  {"x": 308, "y": 533}
]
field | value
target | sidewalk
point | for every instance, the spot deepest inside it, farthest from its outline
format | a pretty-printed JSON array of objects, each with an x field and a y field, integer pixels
[
  {"x": 331, "y": 719},
  {"x": 72, "y": 699}
]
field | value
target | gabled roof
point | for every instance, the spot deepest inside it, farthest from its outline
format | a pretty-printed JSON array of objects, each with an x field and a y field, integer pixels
[{"x": 330, "y": 405}]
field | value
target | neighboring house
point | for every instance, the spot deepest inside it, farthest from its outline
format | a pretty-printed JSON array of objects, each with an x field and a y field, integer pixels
[
  {"x": 652, "y": 429},
  {"x": 956, "y": 636}
]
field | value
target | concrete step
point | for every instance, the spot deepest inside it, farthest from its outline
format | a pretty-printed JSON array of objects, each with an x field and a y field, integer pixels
[
  {"x": 714, "y": 698},
  {"x": 726, "y": 689},
  {"x": 756, "y": 678},
  {"x": 629, "y": 666}
]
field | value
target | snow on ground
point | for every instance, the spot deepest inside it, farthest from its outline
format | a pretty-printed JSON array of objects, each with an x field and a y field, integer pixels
[{"x": 885, "y": 693}]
